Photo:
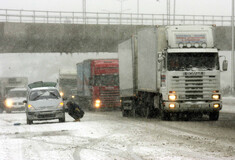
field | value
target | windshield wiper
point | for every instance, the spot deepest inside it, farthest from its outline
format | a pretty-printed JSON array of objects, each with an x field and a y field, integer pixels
[
  {"x": 38, "y": 96},
  {"x": 54, "y": 95}
]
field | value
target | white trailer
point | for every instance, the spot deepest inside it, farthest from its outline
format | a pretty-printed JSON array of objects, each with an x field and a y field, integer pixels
[{"x": 173, "y": 70}]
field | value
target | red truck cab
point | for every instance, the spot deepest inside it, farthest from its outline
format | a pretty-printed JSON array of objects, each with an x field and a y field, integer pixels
[{"x": 98, "y": 83}]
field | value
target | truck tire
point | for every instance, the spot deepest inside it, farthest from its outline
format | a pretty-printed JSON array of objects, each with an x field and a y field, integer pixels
[
  {"x": 214, "y": 116},
  {"x": 125, "y": 113},
  {"x": 29, "y": 121},
  {"x": 147, "y": 112},
  {"x": 164, "y": 115}
]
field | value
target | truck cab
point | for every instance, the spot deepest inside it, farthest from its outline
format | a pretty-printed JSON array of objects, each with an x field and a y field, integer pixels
[{"x": 190, "y": 72}]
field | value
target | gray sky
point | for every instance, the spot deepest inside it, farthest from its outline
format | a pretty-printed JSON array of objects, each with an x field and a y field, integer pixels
[
  {"x": 43, "y": 66},
  {"x": 198, "y": 7}
]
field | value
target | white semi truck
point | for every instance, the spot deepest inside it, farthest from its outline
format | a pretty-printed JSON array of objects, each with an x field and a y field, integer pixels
[{"x": 171, "y": 70}]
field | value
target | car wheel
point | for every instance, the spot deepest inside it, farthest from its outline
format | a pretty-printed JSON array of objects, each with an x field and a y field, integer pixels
[
  {"x": 29, "y": 121},
  {"x": 8, "y": 110},
  {"x": 1, "y": 109},
  {"x": 61, "y": 119}
]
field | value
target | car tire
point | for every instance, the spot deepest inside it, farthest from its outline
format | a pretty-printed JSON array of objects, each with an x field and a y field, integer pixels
[
  {"x": 61, "y": 120},
  {"x": 8, "y": 110},
  {"x": 29, "y": 121},
  {"x": 1, "y": 110}
]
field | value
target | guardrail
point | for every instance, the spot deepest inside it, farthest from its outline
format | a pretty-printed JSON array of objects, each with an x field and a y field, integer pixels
[{"x": 33, "y": 16}]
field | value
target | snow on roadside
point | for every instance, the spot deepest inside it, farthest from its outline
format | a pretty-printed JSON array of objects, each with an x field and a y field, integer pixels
[{"x": 228, "y": 104}]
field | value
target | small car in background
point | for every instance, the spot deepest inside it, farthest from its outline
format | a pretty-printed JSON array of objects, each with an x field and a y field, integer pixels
[
  {"x": 44, "y": 102},
  {"x": 14, "y": 100}
]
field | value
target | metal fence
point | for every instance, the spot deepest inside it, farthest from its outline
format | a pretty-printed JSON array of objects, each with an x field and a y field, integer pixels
[{"x": 32, "y": 16}]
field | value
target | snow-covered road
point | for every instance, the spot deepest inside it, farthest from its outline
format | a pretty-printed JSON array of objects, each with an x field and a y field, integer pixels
[{"x": 107, "y": 135}]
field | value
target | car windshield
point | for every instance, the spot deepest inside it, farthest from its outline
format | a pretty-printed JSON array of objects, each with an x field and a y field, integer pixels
[
  {"x": 17, "y": 94},
  {"x": 192, "y": 61},
  {"x": 44, "y": 94}
]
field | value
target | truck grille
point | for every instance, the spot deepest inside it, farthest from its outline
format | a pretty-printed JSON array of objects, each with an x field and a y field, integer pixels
[
  {"x": 109, "y": 97},
  {"x": 194, "y": 87}
]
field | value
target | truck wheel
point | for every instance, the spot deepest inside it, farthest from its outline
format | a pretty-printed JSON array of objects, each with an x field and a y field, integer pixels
[
  {"x": 29, "y": 121},
  {"x": 214, "y": 116},
  {"x": 165, "y": 115},
  {"x": 147, "y": 112},
  {"x": 125, "y": 113},
  {"x": 133, "y": 112}
]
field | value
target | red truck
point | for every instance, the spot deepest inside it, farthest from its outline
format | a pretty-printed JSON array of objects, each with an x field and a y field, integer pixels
[{"x": 98, "y": 83}]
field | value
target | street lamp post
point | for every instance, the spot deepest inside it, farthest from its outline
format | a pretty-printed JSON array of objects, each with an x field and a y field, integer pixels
[
  {"x": 168, "y": 10},
  {"x": 84, "y": 10}
]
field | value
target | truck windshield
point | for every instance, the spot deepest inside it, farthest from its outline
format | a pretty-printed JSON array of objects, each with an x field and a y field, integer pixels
[
  {"x": 44, "y": 94},
  {"x": 106, "y": 80},
  {"x": 12, "y": 94},
  {"x": 192, "y": 61}
]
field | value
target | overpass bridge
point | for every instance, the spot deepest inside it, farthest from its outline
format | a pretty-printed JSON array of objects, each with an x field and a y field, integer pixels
[{"x": 69, "y": 32}]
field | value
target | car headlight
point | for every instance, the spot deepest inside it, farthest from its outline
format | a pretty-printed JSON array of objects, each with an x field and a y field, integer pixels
[
  {"x": 61, "y": 105},
  {"x": 97, "y": 103},
  {"x": 30, "y": 107},
  {"x": 8, "y": 103},
  {"x": 61, "y": 94},
  {"x": 172, "y": 97},
  {"x": 215, "y": 96}
]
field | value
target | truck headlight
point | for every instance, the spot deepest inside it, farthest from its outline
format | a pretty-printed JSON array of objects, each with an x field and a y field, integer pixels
[
  {"x": 172, "y": 105},
  {"x": 97, "y": 103},
  {"x": 8, "y": 103},
  {"x": 216, "y": 105},
  {"x": 61, "y": 105},
  {"x": 172, "y": 97},
  {"x": 216, "y": 96}
]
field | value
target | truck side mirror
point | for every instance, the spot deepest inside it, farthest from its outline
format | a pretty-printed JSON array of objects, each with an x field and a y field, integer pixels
[
  {"x": 160, "y": 57},
  {"x": 225, "y": 65}
]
